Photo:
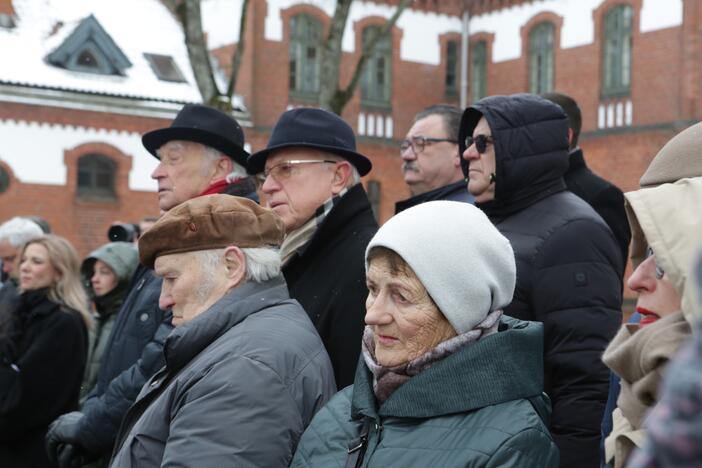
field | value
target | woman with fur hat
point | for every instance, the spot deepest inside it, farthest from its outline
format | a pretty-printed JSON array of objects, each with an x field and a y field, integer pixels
[
  {"x": 444, "y": 379},
  {"x": 666, "y": 230},
  {"x": 106, "y": 273}
]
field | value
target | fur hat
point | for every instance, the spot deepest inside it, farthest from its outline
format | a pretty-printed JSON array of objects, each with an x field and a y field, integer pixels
[
  {"x": 463, "y": 261},
  {"x": 211, "y": 222},
  {"x": 678, "y": 159}
]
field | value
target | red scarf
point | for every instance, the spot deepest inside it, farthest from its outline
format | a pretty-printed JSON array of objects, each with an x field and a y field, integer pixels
[{"x": 219, "y": 186}]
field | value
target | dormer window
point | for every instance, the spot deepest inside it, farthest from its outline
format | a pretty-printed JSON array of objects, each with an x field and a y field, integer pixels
[
  {"x": 6, "y": 21},
  {"x": 165, "y": 68},
  {"x": 90, "y": 49}
]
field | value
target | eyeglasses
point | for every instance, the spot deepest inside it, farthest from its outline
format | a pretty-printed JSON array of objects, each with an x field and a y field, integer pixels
[
  {"x": 285, "y": 169},
  {"x": 659, "y": 271},
  {"x": 419, "y": 142},
  {"x": 480, "y": 142}
]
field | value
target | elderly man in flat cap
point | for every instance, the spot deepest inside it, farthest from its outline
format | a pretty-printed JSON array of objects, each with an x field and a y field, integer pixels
[
  {"x": 245, "y": 369},
  {"x": 200, "y": 153},
  {"x": 311, "y": 176}
]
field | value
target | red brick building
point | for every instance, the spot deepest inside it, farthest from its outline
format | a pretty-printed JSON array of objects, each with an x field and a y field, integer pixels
[{"x": 633, "y": 65}]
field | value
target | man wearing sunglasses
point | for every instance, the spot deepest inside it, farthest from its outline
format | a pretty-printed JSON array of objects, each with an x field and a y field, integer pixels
[
  {"x": 310, "y": 175},
  {"x": 430, "y": 161},
  {"x": 569, "y": 265}
]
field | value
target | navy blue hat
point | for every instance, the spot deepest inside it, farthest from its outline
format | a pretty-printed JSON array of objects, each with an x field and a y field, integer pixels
[
  {"x": 312, "y": 128},
  {"x": 205, "y": 125}
]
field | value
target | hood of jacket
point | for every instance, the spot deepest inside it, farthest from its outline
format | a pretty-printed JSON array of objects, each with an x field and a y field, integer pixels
[
  {"x": 501, "y": 367},
  {"x": 666, "y": 218},
  {"x": 121, "y": 257},
  {"x": 530, "y": 136},
  {"x": 187, "y": 340},
  {"x": 678, "y": 159}
]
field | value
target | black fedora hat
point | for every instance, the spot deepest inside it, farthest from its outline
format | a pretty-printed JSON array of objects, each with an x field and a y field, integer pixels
[
  {"x": 312, "y": 128},
  {"x": 205, "y": 125}
]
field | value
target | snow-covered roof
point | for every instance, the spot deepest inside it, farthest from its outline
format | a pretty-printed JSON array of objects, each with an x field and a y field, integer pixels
[{"x": 136, "y": 26}]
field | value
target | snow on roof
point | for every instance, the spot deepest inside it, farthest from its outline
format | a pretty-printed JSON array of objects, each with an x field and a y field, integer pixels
[{"x": 136, "y": 26}]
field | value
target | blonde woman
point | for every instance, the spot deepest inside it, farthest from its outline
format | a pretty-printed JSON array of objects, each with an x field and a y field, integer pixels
[{"x": 42, "y": 350}]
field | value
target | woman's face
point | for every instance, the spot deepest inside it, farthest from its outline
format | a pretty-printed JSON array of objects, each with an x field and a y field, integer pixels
[
  {"x": 405, "y": 321},
  {"x": 657, "y": 297},
  {"x": 36, "y": 270},
  {"x": 104, "y": 279}
]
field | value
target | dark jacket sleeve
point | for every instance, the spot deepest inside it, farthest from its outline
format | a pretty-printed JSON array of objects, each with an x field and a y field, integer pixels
[
  {"x": 609, "y": 204},
  {"x": 576, "y": 293},
  {"x": 104, "y": 413},
  {"x": 47, "y": 376}
]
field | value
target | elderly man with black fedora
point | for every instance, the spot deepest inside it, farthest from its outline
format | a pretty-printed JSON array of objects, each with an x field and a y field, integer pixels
[
  {"x": 245, "y": 369},
  {"x": 201, "y": 152},
  {"x": 311, "y": 175}
]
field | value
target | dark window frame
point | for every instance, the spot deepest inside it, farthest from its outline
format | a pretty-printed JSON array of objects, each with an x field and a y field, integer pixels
[
  {"x": 452, "y": 63},
  {"x": 304, "y": 72},
  {"x": 376, "y": 81},
  {"x": 478, "y": 70},
  {"x": 541, "y": 57},
  {"x": 96, "y": 176},
  {"x": 617, "y": 27}
]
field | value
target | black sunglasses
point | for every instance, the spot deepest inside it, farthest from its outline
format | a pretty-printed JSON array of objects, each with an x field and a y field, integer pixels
[{"x": 480, "y": 141}]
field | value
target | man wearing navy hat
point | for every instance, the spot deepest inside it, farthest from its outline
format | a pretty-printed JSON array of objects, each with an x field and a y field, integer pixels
[
  {"x": 200, "y": 153},
  {"x": 311, "y": 173}
]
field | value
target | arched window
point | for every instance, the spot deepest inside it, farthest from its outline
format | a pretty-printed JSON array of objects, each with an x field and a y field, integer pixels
[
  {"x": 541, "y": 58},
  {"x": 375, "y": 86},
  {"x": 4, "y": 180},
  {"x": 304, "y": 52},
  {"x": 616, "y": 79},
  {"x": 96, "y": 176},
  {"x": 478, "y": 71}
]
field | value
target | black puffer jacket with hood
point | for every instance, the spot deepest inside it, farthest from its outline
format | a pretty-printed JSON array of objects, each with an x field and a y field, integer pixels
[{"x": 569, "y": 267}]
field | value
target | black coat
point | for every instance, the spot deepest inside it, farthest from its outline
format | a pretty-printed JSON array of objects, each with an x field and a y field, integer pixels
[
  {"x": 603, "y": 196},
  {"x": 329, "y": 280},
  {"x": 134, "y": 352},
  {"x": 457, "y": 191},
  {"x": 43, "y": 357},
  {"x": 569, "y": 265}
]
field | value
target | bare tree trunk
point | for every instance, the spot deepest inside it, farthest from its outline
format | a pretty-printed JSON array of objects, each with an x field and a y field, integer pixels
[
  {"x": 332, "y": 97},
  {"x": 331, "y": 55},
  {"x": 238, "y": 54}
]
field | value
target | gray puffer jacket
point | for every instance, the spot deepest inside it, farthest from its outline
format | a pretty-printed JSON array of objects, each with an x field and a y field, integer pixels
[{"x": 242, "y": 381}]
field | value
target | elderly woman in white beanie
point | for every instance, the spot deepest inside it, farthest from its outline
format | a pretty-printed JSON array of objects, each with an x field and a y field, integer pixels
[{"x": 444, "y": 379}]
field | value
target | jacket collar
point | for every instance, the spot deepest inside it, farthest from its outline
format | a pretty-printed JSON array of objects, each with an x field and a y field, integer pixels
[
  {"x": 504, "y": 366},
  {"x": 189, "y": 339},
  {"x": 448, "y": 192},
  {"x": 576, "y": 160},
  {"x": 353, "y": 203}
]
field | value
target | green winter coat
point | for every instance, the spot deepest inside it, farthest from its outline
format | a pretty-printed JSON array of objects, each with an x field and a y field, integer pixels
[{"x": 476, "y": 408}]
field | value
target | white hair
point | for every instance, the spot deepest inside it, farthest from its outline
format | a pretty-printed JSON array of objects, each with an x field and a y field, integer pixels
[
  {"x": 262, "y": 264},
  {"x": 212, "y": 156},
  {"x": 18, "y": 231},
  {"x": 355, "y": 176}
]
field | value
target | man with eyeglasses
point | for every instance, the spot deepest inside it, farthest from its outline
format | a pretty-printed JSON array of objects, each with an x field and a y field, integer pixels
[
  {"x": 310, "y": 174},
  {"x": 569, "y": 265},
  {"x": 431, "y": 164}
]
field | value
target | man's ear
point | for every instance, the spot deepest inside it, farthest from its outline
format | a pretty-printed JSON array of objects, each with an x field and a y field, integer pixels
[
  {"x": 570, "y": 137},
  {"x": 234, "y": 265},
  {"x": 223, "y": 167},
  {"x": 342, "y": 173}
]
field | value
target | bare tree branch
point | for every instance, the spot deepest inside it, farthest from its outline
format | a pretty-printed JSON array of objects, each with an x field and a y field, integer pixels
[
  {"x": 190, "y": 17},
  {"x": 238, "y": 54},
  {"x": 341, "y": 97}
]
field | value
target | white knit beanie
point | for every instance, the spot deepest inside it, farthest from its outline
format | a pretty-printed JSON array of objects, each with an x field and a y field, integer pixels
[{"x": 462, "y": 260}]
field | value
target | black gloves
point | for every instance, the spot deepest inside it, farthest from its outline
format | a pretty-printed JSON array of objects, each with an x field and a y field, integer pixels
[{"x": 62, "y": 442}]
